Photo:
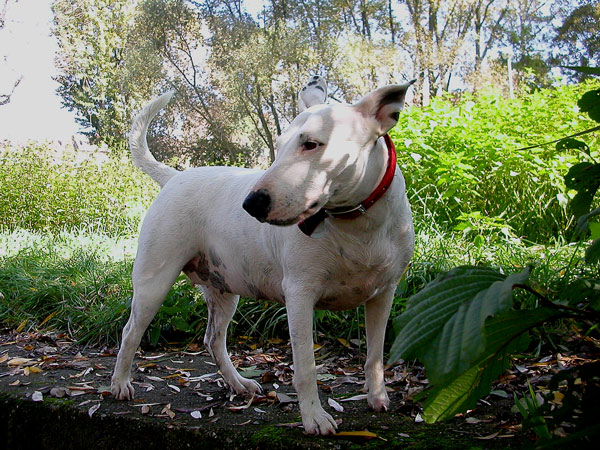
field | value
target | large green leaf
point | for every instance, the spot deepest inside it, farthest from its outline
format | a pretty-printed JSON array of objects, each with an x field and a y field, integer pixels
[
  {"x": 585, "y": 179},
  {"x": 583, "y": 223},
  {"x": 504, "y": 335},
  {"x": 590, "y": 103},
  {"x": 574, "y": 144},
  {"x": 428, "y": 311},
  {"x": 582, "y": 69},
  {"x": 463, "y": 340},
  {"x": 583, "y": 175},
  {"x": 463, "y": 329},
  {"x": 592, "y": 253}
]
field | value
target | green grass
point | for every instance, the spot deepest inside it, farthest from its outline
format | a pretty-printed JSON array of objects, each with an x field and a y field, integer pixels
[
  {"x": 80, "y": 282},
  {"x": 68, "y": 228}
]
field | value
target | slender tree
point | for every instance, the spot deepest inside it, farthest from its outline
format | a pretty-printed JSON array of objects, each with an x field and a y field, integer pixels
[
  {"x": 92, "y": 39},
  {"x": 577, "y": 39}
]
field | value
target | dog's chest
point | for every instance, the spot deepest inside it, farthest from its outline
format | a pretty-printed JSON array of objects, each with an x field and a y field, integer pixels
[{"x": 358, "y": 273}]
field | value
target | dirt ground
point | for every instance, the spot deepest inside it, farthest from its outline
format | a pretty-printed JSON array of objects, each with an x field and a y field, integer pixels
[{"x": 56, "y": 394}]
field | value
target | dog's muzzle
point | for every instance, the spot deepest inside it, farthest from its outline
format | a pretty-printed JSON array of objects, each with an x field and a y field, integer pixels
[{"x": 258, "y": 204}]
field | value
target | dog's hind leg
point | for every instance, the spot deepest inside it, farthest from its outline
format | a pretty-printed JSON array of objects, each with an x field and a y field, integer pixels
[
  {"x": 221, "y": 307},
  {"x": 150, "y": 287}
]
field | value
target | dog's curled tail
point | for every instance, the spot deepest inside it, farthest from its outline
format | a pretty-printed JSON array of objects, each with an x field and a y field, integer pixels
[{"x": 138, "y": 144}]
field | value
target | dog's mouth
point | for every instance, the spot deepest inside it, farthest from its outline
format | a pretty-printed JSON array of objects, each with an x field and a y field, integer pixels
[{"x": 312, "y": 210}]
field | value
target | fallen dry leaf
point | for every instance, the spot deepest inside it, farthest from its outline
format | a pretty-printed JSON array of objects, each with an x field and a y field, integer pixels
[
  {"x": 335, "y": 405},
  {"x": 32, "y": 369},
  {"x": 289, "y": 425},
  {"x": 82, "y": 373},
  {"x": 354, "y": 398},
  {"x": 58, "y": 392},
  {"x": 344, "y": 342},
  {"x": 93, "y": 409},
  {"x": 21, "y": 326},
  {"x": 50, "y": 316},
  {"x": 167, "y": 410},
  {"x": 141, "y": 405},
  {"x": 19, "y": 362},
  {"x": 283, "y": 398},
  {"x": 488, "y": 437},
  {"x": 242, "y": 407},
  {"x": 557, "y": 398},
  {"x": 152, "y": 378},
  {"x": 147, "y": 386},
  {"x": 154, "y": 357},
  {"x": 363, "y": 434}
]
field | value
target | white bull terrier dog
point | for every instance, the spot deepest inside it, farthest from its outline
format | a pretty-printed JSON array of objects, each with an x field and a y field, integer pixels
[{"x": 335, "y": 174}]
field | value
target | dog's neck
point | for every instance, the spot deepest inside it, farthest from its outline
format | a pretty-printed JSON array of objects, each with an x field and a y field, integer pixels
[{"x": 383, "y": 183}]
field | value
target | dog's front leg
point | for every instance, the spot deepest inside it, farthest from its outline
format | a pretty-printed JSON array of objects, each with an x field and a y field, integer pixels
[
  {"x": 300, "y": 314},
  {"x": 377, "y": 311}
]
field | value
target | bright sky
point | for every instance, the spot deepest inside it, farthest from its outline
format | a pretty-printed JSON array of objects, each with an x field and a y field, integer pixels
[{"x": 27, "y": 49}]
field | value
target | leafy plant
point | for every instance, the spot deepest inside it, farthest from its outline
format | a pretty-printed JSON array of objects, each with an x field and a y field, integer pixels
[
  {"x": 467, "y": 157},
  {"x": 463, "y": 326},
  {"x": 570, "y": 402},
  {"x": 584, "y": 177},
  {"x": 530, "y": 408},
  {"x": 182, "y": 315},
  {"x": 45, "y": 188}
]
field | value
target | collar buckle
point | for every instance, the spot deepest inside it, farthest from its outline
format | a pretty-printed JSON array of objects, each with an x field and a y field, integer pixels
[{"x": 360, "y": 209}]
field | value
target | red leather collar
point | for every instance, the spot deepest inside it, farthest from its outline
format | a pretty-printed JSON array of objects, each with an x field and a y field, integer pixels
[{"x": 309, "y": 225}]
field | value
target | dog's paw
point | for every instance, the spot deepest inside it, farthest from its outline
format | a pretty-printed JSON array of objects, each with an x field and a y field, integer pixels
[
  {"x": 378, "y": 400},
  {"x": 318, "y": 421},
  {"x": 122, "y": 390},
  {"x": 244, "y": 386}
]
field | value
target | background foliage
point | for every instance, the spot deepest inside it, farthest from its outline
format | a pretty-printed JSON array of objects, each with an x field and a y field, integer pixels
[
  {"x": 464, "y": 160},
  {"x": 237, "y": 74},
  {"x": 466, "y": 325},
  {"x": 48, "y": 189}
]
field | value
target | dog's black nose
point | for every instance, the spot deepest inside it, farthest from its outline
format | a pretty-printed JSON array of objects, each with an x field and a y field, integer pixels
[{"x": 258, "y": 204}]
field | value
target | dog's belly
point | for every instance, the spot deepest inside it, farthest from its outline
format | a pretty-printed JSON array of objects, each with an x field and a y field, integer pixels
[
  {"x": 337, "y": 294},
  {"x": 344, "y": 283},
  {"x": 342, "y": 300},
  {"x": 351, "y": 291},
  {"x": 261, "y": 281}
]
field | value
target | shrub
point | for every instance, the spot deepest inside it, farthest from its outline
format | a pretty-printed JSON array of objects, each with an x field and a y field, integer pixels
[
  {"x": 462, "y": 161},
  {"x": 43, "y": 192}
]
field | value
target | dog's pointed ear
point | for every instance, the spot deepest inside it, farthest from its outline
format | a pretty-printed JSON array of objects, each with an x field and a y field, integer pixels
[
  {"x": 384, "y": 105},
  {"x": 313, "y": 93}
]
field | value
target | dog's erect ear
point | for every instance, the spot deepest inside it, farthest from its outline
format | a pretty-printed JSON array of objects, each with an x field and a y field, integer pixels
[
  {"x": 313, "y": 93},
  {"x": 384, "y": 105}
]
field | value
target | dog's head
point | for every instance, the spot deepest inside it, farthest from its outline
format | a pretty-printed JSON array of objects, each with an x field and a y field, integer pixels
[{"x": 326, "y": 157}]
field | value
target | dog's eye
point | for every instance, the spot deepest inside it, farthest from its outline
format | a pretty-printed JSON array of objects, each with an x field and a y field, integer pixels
[{"x": 310, "y": 145}]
